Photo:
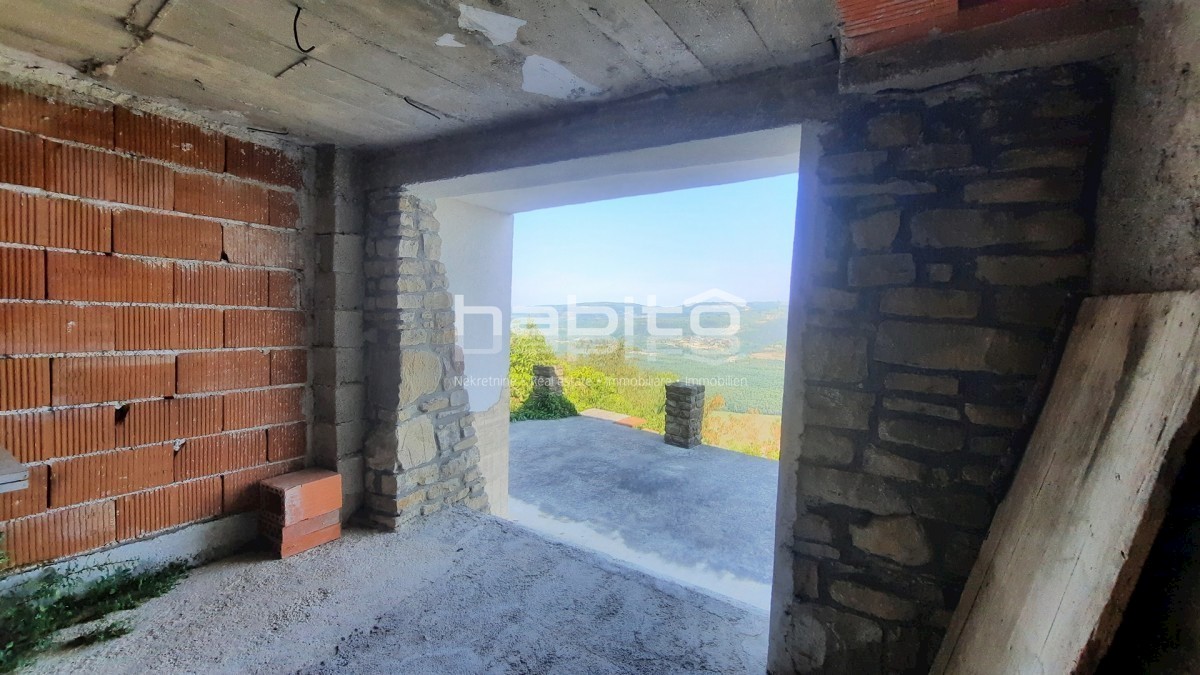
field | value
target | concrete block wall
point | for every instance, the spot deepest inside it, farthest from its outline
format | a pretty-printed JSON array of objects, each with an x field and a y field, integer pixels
[
  {"x": 958, "y": 233},
  {"x": 153, "y": 334},
  {"x": 339, "y": 373}
]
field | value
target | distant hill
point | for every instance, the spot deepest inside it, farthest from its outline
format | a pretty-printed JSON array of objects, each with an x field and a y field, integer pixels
[
  {"x": 745, "y": 369},
  {"x": 762, "y": 324}
]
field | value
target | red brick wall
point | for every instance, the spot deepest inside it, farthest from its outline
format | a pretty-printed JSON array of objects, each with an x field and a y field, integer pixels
[{"x": 153, "y": 345}]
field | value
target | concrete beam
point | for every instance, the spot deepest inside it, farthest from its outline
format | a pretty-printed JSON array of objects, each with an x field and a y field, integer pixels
[{"x": 767, "y": 100}]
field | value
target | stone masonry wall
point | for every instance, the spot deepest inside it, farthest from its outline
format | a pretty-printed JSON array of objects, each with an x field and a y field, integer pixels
[
  {"x": 421, "y": 451},
  {"x": 959, "y": 228}
]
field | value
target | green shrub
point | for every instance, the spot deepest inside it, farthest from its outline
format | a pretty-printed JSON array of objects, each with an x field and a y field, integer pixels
[
  {"x": 544, "y": 407},
  {"x": 528, "y": 348}
]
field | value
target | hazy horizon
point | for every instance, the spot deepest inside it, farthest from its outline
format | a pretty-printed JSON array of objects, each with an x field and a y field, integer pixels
[{"x": 671, "y": 245}]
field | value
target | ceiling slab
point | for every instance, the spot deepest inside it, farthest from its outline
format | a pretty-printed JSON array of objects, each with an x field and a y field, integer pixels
[{"x": 388, "y": 72}]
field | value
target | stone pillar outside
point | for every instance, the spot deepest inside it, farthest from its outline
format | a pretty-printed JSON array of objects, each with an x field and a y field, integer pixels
[
  {"x": 421, "y": 453},
  {"x": 685, "y": 414},
  {"x": 547, "y": 380}
]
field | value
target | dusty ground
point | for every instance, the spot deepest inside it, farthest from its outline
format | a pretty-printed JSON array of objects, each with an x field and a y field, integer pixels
[
  {"x": 703, "y": 516},
  {"x": 459, "y": 593}
]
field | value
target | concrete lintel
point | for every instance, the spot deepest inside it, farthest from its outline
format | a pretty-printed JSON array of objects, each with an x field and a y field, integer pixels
[
  {"x": 767, "y": 100},
  {"x": 1083, "y": 31}
]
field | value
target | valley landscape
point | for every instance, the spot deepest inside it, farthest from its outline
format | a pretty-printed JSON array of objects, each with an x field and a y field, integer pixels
[{"x": 618, "y": 356}]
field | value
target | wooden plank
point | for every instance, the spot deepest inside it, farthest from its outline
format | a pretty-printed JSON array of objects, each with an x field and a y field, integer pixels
[{"x": 1069, "y": 540}]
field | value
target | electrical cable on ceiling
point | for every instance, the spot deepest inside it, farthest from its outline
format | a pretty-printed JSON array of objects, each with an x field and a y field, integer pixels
[{"x": 296, "y": 32}]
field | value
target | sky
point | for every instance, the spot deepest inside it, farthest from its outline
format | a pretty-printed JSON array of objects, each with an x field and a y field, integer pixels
[{"x": 672, "y": 245}]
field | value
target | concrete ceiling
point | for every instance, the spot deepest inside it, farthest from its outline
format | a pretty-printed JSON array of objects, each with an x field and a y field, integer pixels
[{"x": 384, "y": 72}]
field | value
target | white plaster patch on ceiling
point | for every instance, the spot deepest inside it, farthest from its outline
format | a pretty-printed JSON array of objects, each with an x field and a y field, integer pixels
[
  {"x": 544, "y": 76},
  {"x": 448, "y": 40},
  {"x": 499, "y": 28}
]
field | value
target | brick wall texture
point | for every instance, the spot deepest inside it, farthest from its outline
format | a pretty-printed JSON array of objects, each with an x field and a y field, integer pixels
[
  {"x": 959, "y": 226},
  {"x": 153, "y": 344}
]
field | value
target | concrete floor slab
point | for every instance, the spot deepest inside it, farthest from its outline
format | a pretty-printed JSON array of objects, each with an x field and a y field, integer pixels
[
  {"x": 457, "y": 593},
  {"x": 704, "y": 517}
]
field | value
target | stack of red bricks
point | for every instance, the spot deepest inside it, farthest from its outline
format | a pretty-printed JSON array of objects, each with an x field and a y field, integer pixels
[
  {"x": 301, "y": 510},
  {"x": 153, "y": 347}
]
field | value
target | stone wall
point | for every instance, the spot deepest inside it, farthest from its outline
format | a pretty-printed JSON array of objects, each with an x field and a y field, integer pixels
[
  {"x": 684, "y": 414},
  {"x": 958, "y": 228},
  {"x": 421, "y": 451}
]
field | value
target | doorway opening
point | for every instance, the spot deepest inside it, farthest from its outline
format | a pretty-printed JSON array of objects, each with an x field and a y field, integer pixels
[
  {"x": 613, "y": 302},
  {"x": 701, "y": 516}
]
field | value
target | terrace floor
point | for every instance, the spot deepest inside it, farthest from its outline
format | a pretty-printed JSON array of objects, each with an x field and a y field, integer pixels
[{"x": 703, "y": 517}]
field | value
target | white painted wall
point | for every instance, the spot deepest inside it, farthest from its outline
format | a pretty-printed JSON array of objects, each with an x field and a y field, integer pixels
[{"x": 477, "y": 246}]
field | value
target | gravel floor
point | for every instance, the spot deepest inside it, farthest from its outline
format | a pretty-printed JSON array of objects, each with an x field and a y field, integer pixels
[{"x": 458, "y": 593}]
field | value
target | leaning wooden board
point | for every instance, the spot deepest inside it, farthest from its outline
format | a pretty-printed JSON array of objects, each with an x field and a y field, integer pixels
[{"x": 1069, "y": 540}]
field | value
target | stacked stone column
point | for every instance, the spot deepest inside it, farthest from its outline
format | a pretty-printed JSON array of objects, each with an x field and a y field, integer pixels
[
  {"x": 422, "y": 451},
  {"x": 684, "y": 414},
  {"x": 547, "y": 380},
  {"x": 958, "y": 229}
]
